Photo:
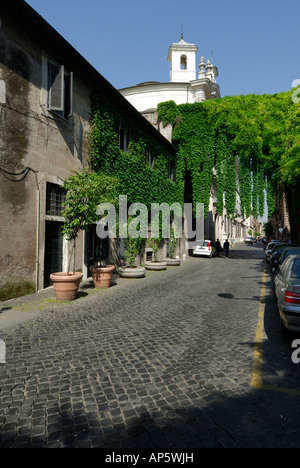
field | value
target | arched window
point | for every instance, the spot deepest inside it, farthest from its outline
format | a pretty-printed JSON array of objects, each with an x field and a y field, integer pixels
[{"x": 183, "y": 62}]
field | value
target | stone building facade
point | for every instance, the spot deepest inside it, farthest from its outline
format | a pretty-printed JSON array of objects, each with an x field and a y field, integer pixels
[{"x": 45, "y": 110}]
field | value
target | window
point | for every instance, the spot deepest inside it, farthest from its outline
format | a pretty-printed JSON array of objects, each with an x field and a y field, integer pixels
[
  {"x": 285, "y": 267},
  {"x": 125, "y": 135},
  {"x": 296, "y": 268},
  {"x": 60, "y": 90},
  {"x": 183, "y": 62},
  {"x": 150, "y": 156},
  {"x": 55, "y": 196},
  {"x": 172, "y": 172}
]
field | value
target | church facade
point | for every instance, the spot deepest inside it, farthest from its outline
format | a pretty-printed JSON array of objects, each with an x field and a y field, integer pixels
[{"x": 184, "y": 85}]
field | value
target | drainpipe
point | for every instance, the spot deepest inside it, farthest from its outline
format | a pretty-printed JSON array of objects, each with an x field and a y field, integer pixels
[{"x": 37, "y": 268}]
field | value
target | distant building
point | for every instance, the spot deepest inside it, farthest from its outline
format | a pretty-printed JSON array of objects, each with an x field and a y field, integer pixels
[
  {"x": 184, "y": 85},
  {"x": 280, "y": 220}
]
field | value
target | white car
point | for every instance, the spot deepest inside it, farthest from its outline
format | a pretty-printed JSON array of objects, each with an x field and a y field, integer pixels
[
  {"x": 204, "y": 248},
  {"x": 250, "y": 240}
]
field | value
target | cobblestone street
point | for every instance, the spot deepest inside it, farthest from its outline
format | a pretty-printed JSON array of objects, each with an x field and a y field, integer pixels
[{"x": 161, "y": 362}]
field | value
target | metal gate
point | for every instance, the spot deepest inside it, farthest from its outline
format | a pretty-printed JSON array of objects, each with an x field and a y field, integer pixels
[{"x": 53, "y": 250}]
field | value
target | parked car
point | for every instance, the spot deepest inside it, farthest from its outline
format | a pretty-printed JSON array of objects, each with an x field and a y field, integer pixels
[
  {"x": 270, "y": 248},
  {"x": 278, "y": 250},
  {"x": 286, "y": 253},
  {"x": 205, "y": 248},
  {"x": 273, "y": 241},
  {"x": 287, "y": 293},
  {"x": 250, "y": 240}
]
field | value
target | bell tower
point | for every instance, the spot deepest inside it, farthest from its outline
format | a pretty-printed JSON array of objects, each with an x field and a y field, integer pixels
[{"x": 182, "y": 58}]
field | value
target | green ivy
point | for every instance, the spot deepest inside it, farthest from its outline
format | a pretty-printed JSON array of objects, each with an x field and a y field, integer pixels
[
  {"x": 137, "y": 180},
  {"x": 252, "y": 142},
  {"x": 257, "y": 135}
]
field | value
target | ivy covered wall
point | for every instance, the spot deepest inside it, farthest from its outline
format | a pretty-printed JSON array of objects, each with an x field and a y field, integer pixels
[
  {"x": 257, "y": 135},
  {"x": 252, "y": 142},
  {"x": 144, "y": 168}
]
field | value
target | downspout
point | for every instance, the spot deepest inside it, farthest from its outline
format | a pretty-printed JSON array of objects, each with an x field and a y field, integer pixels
[{"x": 37, "y": 268}]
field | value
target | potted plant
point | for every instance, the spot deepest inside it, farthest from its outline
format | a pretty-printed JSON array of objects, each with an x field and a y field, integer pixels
[
  {"x": 101, "y": 274},
  {"x": 172, "y": 260},
  {"x": 132, "y": 250},
  {"x": 154, "y": 243},
  {"x": 84, "y": 192},
  {"x": 66, "y": 284}
]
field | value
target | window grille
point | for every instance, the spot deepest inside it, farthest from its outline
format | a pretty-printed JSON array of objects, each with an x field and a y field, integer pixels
[{"x": 55, "y": 197}]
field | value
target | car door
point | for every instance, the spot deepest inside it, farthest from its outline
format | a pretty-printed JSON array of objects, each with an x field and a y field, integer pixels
[{"x": 281, "y": 283}]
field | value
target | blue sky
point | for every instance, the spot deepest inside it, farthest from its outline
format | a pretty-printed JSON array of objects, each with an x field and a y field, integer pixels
[{"x": 255, "y": 44}]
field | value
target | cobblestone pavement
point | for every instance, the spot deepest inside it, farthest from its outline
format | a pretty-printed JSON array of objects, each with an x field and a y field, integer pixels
[{"x": 160, "y": 362}]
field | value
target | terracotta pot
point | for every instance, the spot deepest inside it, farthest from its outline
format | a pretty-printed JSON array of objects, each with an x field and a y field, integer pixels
[
  {"x": 66, "y": 285},
  {"x": 102, "y": 275},
  {"x": 132, "y": 272}
]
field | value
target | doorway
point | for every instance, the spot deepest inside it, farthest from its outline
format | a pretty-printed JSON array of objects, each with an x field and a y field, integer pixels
[
  {"x": 53, "y": 250},
  {"x": 95, "y": 248}
]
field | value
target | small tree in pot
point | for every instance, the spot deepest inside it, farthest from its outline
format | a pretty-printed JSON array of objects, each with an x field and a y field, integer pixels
[
  {"x": 172, "y": 249},
  {"x": 155, "y": 242},
  {"x": 133, "y": 247},
  {"x": 84, "y": 192}
]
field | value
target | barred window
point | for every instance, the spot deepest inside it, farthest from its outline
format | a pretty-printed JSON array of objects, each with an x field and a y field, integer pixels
[{"x": 55, "y": 197}]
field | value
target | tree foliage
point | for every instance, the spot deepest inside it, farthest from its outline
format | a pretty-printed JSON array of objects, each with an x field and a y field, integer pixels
[
  {"x": 84, "y": 192},
  {"x": 251, "y": 141},
  {"x": 259, "y": 132}
]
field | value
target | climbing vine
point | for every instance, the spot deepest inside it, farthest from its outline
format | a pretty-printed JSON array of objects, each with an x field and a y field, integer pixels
[
  {"x": 142, "y": 169},
  {"x": 251, "y": 141},
  {"x": 245, "y": 146}
]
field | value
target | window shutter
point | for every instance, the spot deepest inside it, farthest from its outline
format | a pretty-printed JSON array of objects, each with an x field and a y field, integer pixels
[
  {"x": 71, "y": 95},
  {"x": 56, "y": 87}
]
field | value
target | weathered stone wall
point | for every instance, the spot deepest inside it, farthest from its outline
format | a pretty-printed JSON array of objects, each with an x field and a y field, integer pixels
[{"x": 36, "y": 146}]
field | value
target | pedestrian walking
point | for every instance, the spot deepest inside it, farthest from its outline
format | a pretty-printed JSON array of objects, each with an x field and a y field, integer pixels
[
  {"x": 218, "y": 246},
  {"x": 226, "y": 247}
]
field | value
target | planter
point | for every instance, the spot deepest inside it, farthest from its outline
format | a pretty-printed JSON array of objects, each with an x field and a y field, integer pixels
[
  {"x": 132, "y": 272},
  {"x": 66, "y": 285},
  {"x": 173, "y": 261},
  {"x": 102, "y": 275},
  {"x": 155, "y": 266}
]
